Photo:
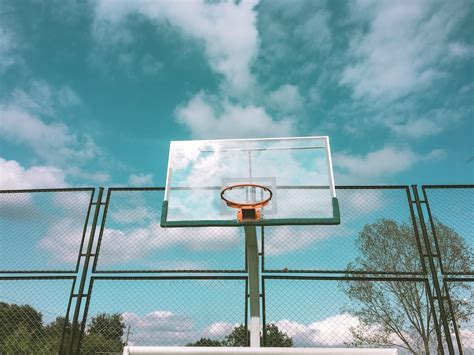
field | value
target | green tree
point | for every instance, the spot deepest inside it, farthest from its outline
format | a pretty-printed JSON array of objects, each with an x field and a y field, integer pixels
[
  {"x": 205, "y": 342},
  {"x": 104, "y": 334},
  {"x": 238, "y": 337},
  {"x": 276, "y": 338},
  {"x": 20, "y": 326},
  {"x": 53, "y": 333},
  {"x": 20, "y": 341},
  {"x": 273, "y": 337},
  {"x": 399, "y": 313}
]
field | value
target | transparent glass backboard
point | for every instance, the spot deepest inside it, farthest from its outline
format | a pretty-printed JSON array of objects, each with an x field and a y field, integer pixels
[{"x": 298, "y": 171}]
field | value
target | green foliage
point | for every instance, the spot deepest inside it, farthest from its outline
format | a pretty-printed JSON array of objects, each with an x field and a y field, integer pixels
[
  {"x": 20, "y": 327},
  {"x": 276, "y": 338},
  {"x": 239, "y": 337},
  {"x": 399, "y": 313},
  {"x": 205, "y": 342},
  {"x": 22, "y": 331},
  {"x": 104, "y": 334},
  {"x": 20, "y": 340}
]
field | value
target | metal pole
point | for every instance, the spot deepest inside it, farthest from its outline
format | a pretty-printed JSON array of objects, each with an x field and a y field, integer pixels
[
  {"x": 85, "y": 270},
  {"x": 434, "y": 273},
  {"x": 254, "y": 287}
]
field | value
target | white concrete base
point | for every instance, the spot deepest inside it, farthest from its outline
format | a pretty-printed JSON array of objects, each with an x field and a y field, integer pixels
[{"x": 170, "y": 350}]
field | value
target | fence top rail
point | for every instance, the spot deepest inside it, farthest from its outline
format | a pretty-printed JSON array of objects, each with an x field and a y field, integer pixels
[
  {"x": 158, "y": 277},
  {"x": 125, "y": 188},
  {"x": 466, "y": 186},
  {"x": 459, "y": 279},
  {"x": 161, "y": 188},
  {"x": 345, "y": 278},
  {"x": 37, "y": 277},
  {"x": 66, "y": 189}
]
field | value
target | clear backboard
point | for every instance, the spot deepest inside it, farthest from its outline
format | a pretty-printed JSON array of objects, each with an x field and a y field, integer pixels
[{"x": 297, "y": 171}]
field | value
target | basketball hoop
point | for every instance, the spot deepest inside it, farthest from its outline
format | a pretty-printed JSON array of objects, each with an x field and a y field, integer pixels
[{"x": 247, "y": 211}]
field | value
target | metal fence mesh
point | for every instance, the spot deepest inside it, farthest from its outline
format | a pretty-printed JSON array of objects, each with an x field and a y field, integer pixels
[
  {"x": 461, "y": 310},
  {"x": 42, "y": 230},
  {"x": 374, "y": 222},
  {"x": 33, "y": 315},
  {"x": 132, "y": 239},
  {"x": 452, "y": 220},
  {"x": 379, "y": 297},
  {"x": 351, "y": 313},
  {"x": 151, "y": 311}
]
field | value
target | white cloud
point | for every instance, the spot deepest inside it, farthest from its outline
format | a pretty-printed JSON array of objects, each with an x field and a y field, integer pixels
[
  {"x": 461, "y": 50},
  {"x": 286, "y": 99},
  {"x": 165, "y": 328},
  {"x": 54, "y": 142},
  {"x": 6, "y": 57},
  {"x": 42, "y": 99},
  {"x": 276, "y": 240},
  {"x": 379, "y": 164},
  {"x": 160, "y": 328},
  {"x": 63, "y": 239},
  {"x": 204, "y": 120},
  {"x": 467, "y": 338},
  {"x": 15, "y": 176},
  {"x": 295, "y": 38},
  {"x": 140, "y": 179},
  {"x": 332, "y": 331},
  {"x": 416, "y": 128},
  {"x": 218, "y": 330},
  {"x": 404, "y": 123},
  {"x": 403, "y": 49},
  {"x": 120, "y": 246},
  {"x": 227, "y": 30}
]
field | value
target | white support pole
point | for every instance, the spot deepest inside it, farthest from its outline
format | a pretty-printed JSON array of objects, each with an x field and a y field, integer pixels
[{"x": 254, "y": 286}]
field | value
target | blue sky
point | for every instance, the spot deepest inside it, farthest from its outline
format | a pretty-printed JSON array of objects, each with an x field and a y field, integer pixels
[{"x": 91, "y": 93}]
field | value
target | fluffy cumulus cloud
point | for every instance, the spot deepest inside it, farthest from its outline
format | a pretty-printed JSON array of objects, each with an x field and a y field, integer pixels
[
  {"x": 168, "y": 328},
  {"x": 137, "y": 235},
  {"x": 207, "y": 119},
  {"x": 28, "y": 118},
  {"x": 140, "y": 179},
  {"x": 40, "y": 98},
  {"x": 15, "y": 176},
  {"x": 165, "y": 328},
  {"x": 119, "y": 246},
  {"x": 227, "y": 30},
  {"x": 379, "y": 164},
  {"x": 291, "y": 32},
  {"x": 431, "y": 123},
  {"x": 386, "y": 64},
  {"x": 160, "y": 328},
  {"x": 53, "y": 142},
  {"x": 286, "y": 99},
  {"x": 332, "y": 331}
]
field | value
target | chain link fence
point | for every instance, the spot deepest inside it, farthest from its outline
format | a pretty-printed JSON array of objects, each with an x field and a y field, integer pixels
[
  {"x": 165, "y": 312},
  {"x": 352, "y": 312},
  {"x": 367, "y": 282},
  {"x": 132, "y": 240},
  {"x": 34, "y": 314},
  {"x": 451, "y": 216},
  {"x": 43, "y": 230},
  {"x": 376, "y": 221}
]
